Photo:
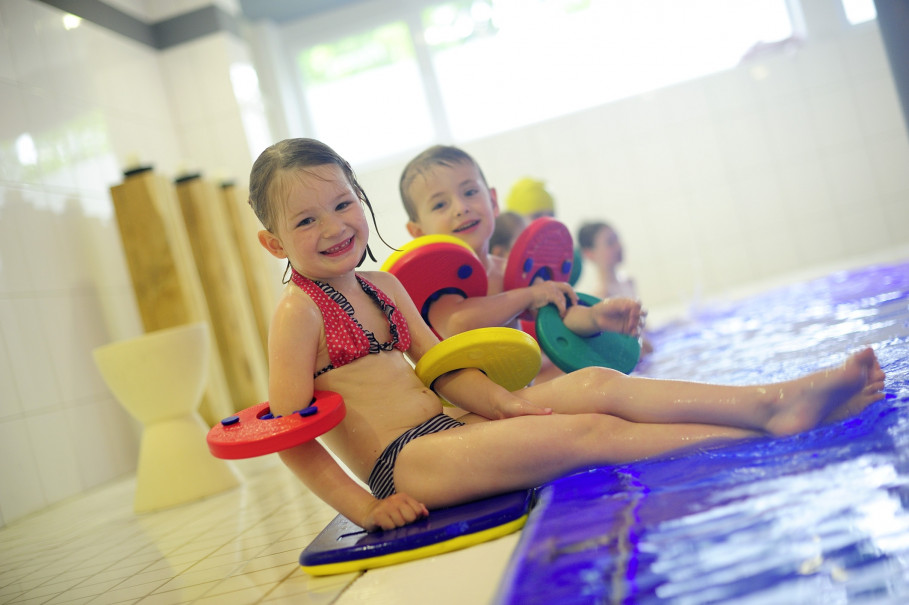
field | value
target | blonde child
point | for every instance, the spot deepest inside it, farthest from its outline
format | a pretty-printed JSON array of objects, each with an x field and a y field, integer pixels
[
  {"x": 340, "y": 330},
  {"x": 444, "y": 192}
]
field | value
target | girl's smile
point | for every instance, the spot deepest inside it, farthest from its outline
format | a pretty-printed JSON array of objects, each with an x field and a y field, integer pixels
[
  {"x": 322, "y": 229},
  {"x": 339, "y": 249}
]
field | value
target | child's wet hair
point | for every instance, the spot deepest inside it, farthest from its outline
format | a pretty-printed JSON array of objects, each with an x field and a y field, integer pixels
[
  {"x": 296, "y": 154},
  {"x": 588, "y": 232},
  {"x": 437, "y": 155}
]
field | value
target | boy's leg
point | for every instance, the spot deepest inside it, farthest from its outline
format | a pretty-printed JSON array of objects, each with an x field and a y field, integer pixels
[
  {"x": 779, "y": 408},
  {"x": 492, "y": 457}
]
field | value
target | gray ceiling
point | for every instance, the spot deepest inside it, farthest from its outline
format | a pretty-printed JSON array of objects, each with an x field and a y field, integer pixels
[{"x": 288, "y": 10}]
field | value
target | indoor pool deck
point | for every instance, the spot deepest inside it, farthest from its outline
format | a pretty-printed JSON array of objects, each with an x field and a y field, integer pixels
[{"x": 816, "y": 518}]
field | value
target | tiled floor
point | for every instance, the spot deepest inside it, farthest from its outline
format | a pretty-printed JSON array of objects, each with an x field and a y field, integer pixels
[{"x": 234, "y": 548}]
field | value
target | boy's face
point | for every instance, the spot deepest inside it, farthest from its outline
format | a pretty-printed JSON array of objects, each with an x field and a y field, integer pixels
[{"x": 454, "y": 201}]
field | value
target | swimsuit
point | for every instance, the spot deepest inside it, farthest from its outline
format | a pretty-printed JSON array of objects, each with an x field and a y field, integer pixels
[
  {"x": 347, "y": 341},
  {"x": 382, "y": 480},
  {"x": 345, "y": 338}
]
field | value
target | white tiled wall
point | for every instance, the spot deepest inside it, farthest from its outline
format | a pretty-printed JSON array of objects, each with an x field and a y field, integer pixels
[
  {"x": 788, "y": 162},
  {"x": 75, "y": 104}
]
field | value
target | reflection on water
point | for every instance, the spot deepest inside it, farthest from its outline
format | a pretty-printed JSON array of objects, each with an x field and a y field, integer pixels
[{"x": 815, "y": 518}]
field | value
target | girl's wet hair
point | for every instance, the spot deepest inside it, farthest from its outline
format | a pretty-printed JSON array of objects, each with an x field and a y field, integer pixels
[{"x": 297, "y": 154}]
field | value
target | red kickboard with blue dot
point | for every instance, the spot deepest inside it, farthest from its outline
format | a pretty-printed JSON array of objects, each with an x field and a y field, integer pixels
[{"x": 255, "y": 431}]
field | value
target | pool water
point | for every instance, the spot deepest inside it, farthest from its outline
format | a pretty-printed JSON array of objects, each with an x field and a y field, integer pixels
[{"x": 819, "y": 517}]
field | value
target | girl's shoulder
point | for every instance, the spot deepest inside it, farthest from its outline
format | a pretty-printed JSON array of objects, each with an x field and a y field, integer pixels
[{"x": 379, "y": 278}]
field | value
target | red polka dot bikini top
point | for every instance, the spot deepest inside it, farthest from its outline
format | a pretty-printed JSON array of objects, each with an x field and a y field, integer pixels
[{"x": 346, "y": 339}]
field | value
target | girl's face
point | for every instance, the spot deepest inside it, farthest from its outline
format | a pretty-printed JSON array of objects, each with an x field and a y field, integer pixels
[
  {"x": 607, "y": 248},
  {"x": 322, "y": 228},
  {"x": 454, "y": 201}
]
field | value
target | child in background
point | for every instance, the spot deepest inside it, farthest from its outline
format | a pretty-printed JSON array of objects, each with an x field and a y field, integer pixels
[
  {"x": 335, "y": 329},
  {"x": 508, "y": 227},
  {"x": 530, "y": 198},
  {"x": 444, "y": 192},
  {"x": 601, "y": 250}
]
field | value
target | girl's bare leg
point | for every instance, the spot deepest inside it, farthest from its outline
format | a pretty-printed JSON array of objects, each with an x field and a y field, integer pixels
[
  {"x": 486, "y": 458},
  {"x": 780, "y": 408}
]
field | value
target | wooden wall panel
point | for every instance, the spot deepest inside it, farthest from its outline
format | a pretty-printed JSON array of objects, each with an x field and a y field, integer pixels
[{"x": 163, "y": 272}]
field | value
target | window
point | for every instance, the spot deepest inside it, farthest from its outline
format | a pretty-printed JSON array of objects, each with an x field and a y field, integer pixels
[
  {"x": 480, "y": 67},
  {"x": 859, "y": 11},
  {"x": 365, "y": 94},
  {"x": 501, "y": 64}
]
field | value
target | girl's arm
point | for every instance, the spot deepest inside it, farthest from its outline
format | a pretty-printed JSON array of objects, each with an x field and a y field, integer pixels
[
  {"x": 454, "y": 314},
  {"x": 313, "y": 465},
  {"x": 292, "y": 346}
]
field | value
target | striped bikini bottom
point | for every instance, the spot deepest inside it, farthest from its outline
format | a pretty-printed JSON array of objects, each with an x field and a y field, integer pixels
[{"x": 382, "y": 478}]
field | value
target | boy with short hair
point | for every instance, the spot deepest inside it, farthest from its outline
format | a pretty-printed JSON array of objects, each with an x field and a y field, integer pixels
[{"x": 444, "y": 191}]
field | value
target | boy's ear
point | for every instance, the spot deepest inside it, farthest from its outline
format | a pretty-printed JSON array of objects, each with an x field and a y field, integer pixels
[
  {"x": 272, "y": 244},
  {"x": 495, "y": 200},
  {"x": 414, "y": 229}
]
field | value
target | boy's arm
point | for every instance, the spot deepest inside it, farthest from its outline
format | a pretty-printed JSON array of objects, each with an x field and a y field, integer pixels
[
  {"x": 453, "y": 314},
  {"x": 468, "y": 389},
  {"x": 622, "y": 315}
]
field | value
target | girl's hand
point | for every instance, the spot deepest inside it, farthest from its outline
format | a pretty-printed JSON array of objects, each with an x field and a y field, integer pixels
[
  {"x": 394, "y": 511},
  {"x": 558, "y": 293},
  {"x": 511, "y": 405}
]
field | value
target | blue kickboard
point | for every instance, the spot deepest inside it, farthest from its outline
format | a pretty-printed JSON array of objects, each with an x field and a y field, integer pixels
[{"x": 343, "y": 541}]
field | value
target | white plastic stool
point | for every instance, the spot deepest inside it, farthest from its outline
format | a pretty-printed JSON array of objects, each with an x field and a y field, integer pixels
[{"x": 159, "y": 378}]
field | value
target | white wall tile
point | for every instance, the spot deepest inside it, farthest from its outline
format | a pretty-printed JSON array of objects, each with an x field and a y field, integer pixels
[
  {"x": 821, "y": 65},
  {"x": 834, "y": 116},
  {"x": 877, "y": 105},
  {"x": 15, "y": 273},
  {"x": 820, "y": 239},
  {"x": 865, "y": 229},
  {"x": 109, "y": 440},
  {"x": 26, "y": 54},
  {"x": 895, "y": 208},
  {"x": 804, "y": 188},
  {"x": 889, "y": 156},
  {"x": 75, "y": 327},
  {"x": 33, "y": 369},
  {"x": 52, "y": 440},
  {"x": 21, "y": 493},
  {"x": 849, "y": 176},
  {"x": 789, "y": 128},
  {"x": 7, "y": 68},
  {"x": 10, "y": 405},
  {"x": 864, "y": 53}
]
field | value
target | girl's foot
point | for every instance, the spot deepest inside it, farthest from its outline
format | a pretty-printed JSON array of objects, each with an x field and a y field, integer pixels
[{"x": 827, "y": 395}]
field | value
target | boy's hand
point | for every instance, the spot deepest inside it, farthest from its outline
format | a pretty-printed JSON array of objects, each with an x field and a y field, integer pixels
[
  {"x": 546, "y": 292},
  {"x": 394, "y": 511},
  {"x": 622, "y": 315}
]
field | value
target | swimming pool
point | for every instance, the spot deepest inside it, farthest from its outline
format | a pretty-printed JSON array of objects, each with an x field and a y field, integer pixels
[{"x": 819, "y": 517}]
